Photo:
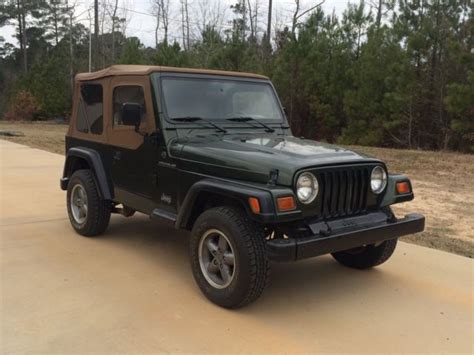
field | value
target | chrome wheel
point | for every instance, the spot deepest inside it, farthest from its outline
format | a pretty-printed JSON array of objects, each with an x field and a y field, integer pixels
[
  {"x": 79, "y": 204},
  {"x": 216, "y": 258}
]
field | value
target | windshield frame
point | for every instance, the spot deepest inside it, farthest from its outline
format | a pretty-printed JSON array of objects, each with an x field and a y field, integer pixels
[{"x": 157, "y": 83}]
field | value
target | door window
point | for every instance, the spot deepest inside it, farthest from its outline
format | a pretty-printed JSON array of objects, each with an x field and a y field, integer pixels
[{"x": 125, "y": 95}]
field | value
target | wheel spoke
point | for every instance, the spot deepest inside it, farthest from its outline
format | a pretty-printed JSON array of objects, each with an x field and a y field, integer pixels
[
  {"x": 217, "y": 259},
  {"x": 223, "y": 246},
  {"x": 212, "y": 267},
  {"x": 211, "y": 246},
  {"x": 225, "y": 273},
  {"x": 83, "y": 195},
  {"x": 79, "y": 206},
  {"x": 229, "y": 258}
]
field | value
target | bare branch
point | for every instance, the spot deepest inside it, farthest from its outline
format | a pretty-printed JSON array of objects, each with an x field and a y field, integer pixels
[{"x": 310, "y": 9}]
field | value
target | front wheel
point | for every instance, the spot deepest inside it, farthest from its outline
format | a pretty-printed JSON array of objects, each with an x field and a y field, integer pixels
[
  {"x": 228, "y": 257},
  {"x": 366, "y": 256}
]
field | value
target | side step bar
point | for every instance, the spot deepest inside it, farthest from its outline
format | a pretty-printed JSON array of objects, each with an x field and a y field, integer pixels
[{"x": 159, "y": 214}]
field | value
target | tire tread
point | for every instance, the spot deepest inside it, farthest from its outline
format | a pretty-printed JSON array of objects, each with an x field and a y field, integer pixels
[
  {"x": 253, "y": 238},
  {"x": 369, "y": 257},
  {"x": 99, "y": 210}
]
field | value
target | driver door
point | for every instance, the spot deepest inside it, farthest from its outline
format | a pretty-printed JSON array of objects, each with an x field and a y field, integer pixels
[{"x": 134, "y": 158}]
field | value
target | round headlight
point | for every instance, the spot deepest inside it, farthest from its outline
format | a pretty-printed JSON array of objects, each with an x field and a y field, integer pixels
[
  {"x": 378, "y": 179},
  {"x": 307, "y": 188}
]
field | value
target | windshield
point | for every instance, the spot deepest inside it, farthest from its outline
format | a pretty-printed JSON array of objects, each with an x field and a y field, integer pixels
[{"x": 219, "y": 99}]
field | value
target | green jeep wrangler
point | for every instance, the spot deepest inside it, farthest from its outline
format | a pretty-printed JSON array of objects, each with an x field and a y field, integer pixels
[{"x": 212, "y": 153}]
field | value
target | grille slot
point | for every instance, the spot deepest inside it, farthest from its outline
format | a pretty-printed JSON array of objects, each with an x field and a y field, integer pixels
[{"x": 343, "y": 191}]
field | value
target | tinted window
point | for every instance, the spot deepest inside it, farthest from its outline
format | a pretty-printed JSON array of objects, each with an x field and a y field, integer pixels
[
  {"x": 219, "y": 99},
  {"x": 124, "y": 95},
  {"x": 90, "y": 110}
]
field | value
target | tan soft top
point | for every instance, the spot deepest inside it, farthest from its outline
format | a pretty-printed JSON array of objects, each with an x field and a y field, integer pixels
[{"x": 147, "y": 69}]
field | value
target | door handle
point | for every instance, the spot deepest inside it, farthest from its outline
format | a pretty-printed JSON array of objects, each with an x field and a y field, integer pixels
[{"x": 117, "y": 155}]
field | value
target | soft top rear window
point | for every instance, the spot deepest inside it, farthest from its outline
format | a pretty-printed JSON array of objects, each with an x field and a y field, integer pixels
[{"x": 90, "y": 109}]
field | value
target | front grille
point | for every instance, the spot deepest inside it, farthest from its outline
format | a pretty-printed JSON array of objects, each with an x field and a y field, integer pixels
[{"x": 343, "y": 191}]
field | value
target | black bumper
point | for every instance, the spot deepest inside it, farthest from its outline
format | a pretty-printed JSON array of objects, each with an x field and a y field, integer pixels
[
  {"x": 63, "y": 182},
  {"x": 344, "y": 234}
]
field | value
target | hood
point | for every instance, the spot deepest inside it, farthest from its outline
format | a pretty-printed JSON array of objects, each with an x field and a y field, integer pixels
[{"x": 252, "y": 157}]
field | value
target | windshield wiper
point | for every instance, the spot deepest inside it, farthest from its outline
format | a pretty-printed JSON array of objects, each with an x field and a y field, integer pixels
[
  {"x": 248, "y": 118},
  {"x": 197, "y": 118}
]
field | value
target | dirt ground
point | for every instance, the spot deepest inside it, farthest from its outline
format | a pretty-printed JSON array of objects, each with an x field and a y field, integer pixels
[{"x": 442, "y": 182}]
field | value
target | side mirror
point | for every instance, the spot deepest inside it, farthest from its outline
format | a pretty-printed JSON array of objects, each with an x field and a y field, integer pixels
[{"x": 131, "y": 114}]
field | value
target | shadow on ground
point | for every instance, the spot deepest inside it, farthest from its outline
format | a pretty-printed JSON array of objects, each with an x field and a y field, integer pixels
[{"x": 312, "y": 283}]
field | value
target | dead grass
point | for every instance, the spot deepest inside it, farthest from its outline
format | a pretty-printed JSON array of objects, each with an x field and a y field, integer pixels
[
  {"x": 442, "y": 183},
  {"x": 444, "y": 193},
  {"x": 47, "y": 136}
]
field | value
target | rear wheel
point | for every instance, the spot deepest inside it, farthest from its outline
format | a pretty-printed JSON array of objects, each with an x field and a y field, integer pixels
[
  {"x": 228, "y": 257},
  {"x": 366, "y": 256},
  {"x": 88, "y": 213}
]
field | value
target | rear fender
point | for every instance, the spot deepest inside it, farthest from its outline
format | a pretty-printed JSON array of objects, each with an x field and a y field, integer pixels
[{"x": 75, "y": 158}]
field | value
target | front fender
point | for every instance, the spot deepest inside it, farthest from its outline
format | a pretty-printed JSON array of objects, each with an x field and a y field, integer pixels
[
  {"x": 228, "y": 189},
  {"x": 391, "y": 196}
]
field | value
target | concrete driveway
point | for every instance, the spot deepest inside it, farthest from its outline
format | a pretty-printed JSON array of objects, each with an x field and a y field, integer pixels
[{"x": 131, "y": 290}]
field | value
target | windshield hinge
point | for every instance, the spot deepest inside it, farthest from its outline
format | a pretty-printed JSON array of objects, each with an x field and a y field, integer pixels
[{"x": 273, "y": 177}]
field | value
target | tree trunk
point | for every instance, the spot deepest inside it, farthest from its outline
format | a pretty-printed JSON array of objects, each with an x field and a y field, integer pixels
[
  {"x": 186, "y": 10},
  {"x": 71, "y": 50},
  {"x": 410, "y": 124},
  {"x": 96, "y": 34},
  {"x": 114, "y": 15},
  {"x": 251, "y": 20},
  {"x": 20, "y": 34},
  {"x": 183, "y": 30},
  {"x": 102, "y": 50},
  {"x": 269, "y": 21},
  {"x": 379, "y": 15},
  {"x": 25, "y": 43},
  {"x": 294, "y": 21},
  {"x": 164, "y": 16},
  {"x": 55, "y": 20},
  {"x": 157, "y": 26},
  {"x": 244, "y": 20},
  {"x": 165, "y": 39}
]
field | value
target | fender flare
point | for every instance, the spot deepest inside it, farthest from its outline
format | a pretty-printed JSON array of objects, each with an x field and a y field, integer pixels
[
  {"x": 238, "y": 192},
  {"x": 391, "y": 197},
  {"x": 94, "y": 161}
]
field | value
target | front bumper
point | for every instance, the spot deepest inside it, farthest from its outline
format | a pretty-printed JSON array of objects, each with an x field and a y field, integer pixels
[{"x": 343, "y": 234}]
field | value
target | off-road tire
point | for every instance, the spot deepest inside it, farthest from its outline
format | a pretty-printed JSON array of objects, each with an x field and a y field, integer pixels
[
  {"x": 98, "y": 213},
  {"x": 367, "y": 256},
  {"x": 247, "y": 240}
]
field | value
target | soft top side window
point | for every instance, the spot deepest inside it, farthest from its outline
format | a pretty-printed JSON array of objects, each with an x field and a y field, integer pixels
[
  {"x": 90, "y": 109},
  {"x": 127, "y": 94}
]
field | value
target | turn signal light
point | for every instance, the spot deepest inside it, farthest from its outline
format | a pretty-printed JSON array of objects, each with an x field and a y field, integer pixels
[
  {"x": 286, "y": 203},
  {"x": 254, "y": 205},
  {"x": 403, "y": 188}
]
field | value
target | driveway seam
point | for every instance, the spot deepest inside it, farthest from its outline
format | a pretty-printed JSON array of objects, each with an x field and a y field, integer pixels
[{"x": 32, "y": 222}]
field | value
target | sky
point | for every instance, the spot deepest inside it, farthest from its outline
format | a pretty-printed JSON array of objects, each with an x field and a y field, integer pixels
[{"x": 141, "y": 22}]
